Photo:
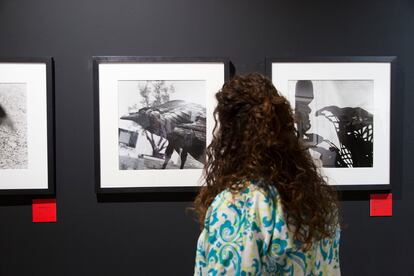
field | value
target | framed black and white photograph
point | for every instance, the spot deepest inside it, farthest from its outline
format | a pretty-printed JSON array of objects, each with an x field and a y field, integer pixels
[
  {"x": 154, "y": 120},
  {"x": 26, "y": 126},
  {"x": 342, "y": 109}
]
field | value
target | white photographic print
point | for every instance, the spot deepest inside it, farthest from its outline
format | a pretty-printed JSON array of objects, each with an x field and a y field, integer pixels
[
  {"x": 162, "y": 124},
  {"x": 155, "y": 121},
  {"x": 26, "y": 126},
  {"x": 335, "y": 120},
  {"x": 342, "y": 114},
  {"x": 13, "y": 126}
]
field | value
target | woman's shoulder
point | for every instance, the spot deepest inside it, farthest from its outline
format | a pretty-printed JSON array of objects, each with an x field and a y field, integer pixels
[
  {"x": 253, "y": 197},
  {"x": 252, "y": 191}
]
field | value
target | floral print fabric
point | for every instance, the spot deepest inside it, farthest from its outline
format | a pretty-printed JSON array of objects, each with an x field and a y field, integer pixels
[{"x": 246, "y": 234}]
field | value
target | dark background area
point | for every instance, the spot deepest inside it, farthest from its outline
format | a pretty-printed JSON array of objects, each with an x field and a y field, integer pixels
[{"x": 152, "y": 234}]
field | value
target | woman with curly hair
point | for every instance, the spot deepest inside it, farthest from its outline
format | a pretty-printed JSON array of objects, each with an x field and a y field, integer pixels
[{"x": 264, "y": 209}]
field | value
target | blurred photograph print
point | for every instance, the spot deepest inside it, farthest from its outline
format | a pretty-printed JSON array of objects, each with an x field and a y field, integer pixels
[
  {"x": 26, "y": 126},
  {"x": 13, "y": 126}
]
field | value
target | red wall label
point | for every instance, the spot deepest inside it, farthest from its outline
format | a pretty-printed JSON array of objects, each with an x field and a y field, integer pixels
[
  {"x": 381, "y": 205},
  {"x": 44, "y": 210}
]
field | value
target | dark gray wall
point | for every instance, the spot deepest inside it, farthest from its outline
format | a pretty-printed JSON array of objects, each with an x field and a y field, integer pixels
[{"x": 152, "y": 234}]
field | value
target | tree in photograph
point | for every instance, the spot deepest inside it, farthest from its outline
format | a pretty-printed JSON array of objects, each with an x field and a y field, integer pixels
[{"x": 155, "y": 93}]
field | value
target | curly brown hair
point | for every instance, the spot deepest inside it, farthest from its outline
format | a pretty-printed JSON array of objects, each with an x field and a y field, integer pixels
[{"x": 255, "y": 138}]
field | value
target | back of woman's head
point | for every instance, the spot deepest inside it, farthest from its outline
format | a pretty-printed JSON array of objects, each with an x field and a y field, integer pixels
[
  {"x": 255, "y": 139},
  {"x": 256, "y": 128}
]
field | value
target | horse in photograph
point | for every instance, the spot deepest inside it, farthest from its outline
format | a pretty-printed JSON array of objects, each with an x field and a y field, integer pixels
[{"x": 182, "y": 123}]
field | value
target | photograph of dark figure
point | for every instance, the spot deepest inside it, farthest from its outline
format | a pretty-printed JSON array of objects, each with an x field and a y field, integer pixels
[
  {"x": 334, "y": 119},
  {"x": 162, "y": 125},
  {"x": 13, "y": 126}
]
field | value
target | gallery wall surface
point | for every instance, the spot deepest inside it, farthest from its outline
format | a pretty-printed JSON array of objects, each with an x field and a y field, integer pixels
[{"x": 155, "y": 234}]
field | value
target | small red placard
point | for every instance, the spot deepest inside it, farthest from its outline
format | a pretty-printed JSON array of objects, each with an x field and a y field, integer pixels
[
  {"x": 381, "y": 205},
  {"x": 44, "y": 210}
]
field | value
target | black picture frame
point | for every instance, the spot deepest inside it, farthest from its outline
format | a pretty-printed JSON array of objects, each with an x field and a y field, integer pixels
[
  {"x": 392, "y": 60},
  {"x": 50, "y": 117},
  {"x": 96, "y": 61}
]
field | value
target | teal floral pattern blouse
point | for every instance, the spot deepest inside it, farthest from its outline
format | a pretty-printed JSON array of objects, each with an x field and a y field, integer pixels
[{"x": 246, "y": 234}]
